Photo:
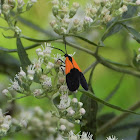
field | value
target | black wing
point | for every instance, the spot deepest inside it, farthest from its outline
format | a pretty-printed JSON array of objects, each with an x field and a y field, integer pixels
[
  {"x": 73, "y": 79},
  {"x": 83, "y": 81}
]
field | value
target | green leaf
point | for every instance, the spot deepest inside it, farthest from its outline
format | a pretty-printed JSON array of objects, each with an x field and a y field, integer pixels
[
  {"x": 93, "y": 97},
  {"x": 89, "y": 118},
  {"x": 104, "y": 118},
  {"x": 138, "y": 135},
  {"x": 136, "y": 34},
  {"x": 86, "y": 40},
  {"x": 38, "y": 40},
  {"x": 8, "y": 64},
  {"x": 22, "y": 55}
]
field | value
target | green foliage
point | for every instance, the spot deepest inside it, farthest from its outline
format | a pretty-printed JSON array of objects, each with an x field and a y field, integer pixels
[{"x": 22, "y": 55}]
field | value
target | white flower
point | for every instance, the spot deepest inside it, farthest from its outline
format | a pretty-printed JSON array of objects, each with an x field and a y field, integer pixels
[
  {"x": 23, "y": 123},
  {"x": 8, "y": 119},
  {"x": 76, "y": 5},
  {"x": 138, "y": 2},
  {"x": 5, "y": 91},
  {"x": 37, "y": 64},
  {"x": 80, "y": 104},
  {"x": 14, "y": 85},
  {"x": 111, "y": 138},
  {"x": 37, "y": 92},
  {"x": 47, "y": 48},
  {"x": 107, "y": 18},
  {"x": 50, "y": 65},
  {"x": 22, "y": 73},
  {"x": 82, "y": 111},
  {"x": 70, "y": 111},
  {"x": 88, "y": 19},
  {"x": 86, "y": 136},
  {"x": 72, "y": 136},
  {"x": 48, "y": 82},
  {"x": 63, "y": 88},
  {"x": 62, "y": 127},
  {"x": 5, "y": 126},
  {"x": 31, "y": 71},
  {"x": 124, "y": 8},
  {"x": 64, "y": 101},
  {"x": 74, "y": 100}
]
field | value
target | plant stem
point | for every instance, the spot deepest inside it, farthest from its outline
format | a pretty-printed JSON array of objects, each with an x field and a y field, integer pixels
[{"x": 117, "y": 119}]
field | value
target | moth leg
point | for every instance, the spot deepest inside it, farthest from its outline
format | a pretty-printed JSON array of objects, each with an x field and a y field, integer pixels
[
  {"x": 62, "y": 68},
  {"x": 61, "y": 61}
]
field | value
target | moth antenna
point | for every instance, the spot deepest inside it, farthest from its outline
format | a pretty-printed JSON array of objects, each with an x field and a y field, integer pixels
[{"x": 57, "y": 49}]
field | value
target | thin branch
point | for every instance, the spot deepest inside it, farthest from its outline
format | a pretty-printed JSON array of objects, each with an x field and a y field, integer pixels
[
  {"x": 93, "y": 97},
  {"x": 118, "y": 69},
  {"x": 127, "y": 19},
  {"x": 117, "y": 119},
  {"x": 91, "y": 66},
  {"x": 110, "y": 95},
  {"x": 80, "y": 48},
  {"x": 15, "y": 50},
  {"x": 105, "y": 63},
  {"x": 125, "y": 126}
]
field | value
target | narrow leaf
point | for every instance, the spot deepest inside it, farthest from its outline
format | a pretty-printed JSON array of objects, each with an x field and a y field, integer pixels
[
  {"x": 22, "y": 55},
  {"x": 38, "y": 40},
  {"x": 136, "y": 34},
  {"x": 106, "y": 103},
  {"x": 86, "y": 40},
  {"x": 89, "y": 118}
]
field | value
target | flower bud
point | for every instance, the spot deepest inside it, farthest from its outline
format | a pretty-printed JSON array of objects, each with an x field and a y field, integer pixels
[
  {"x": 124, "y": 8},
  {"x": 80, "y": 104},
  {"x": 37, "y": 92},
  {"x": 71, "y": 112},
  {"x": 53, "y": 23},
  {"x": 7, "y": 93},
  {"x": 62, "y": 127},
  {"x": 23, "y": 123},
  {"x": 76, "y": 5},
  {"x": 55, "y": 10},
  {"x": 138, "y": 2},
  {"x": 74, "y": 100},
  {"x": 5, "y": 126},
  {"x": 20, "y": 6},
  {"x": 17, "y": 30},
  {"x": 72, "y": 12},
  {"x": 82, "y": 111},
  {"x": 11, "y": 3},
  {"x": 5, "y": 9},
  {"x": 76, "y": 22}
]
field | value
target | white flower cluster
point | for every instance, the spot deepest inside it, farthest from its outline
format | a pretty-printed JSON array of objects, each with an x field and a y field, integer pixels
[
  {"x": 39, "y": 71},
  {"x": 71, "y": 109},
  {"x": 5, "y": 123},
  {"x": 63, "y": 14},
  {"x": 97, "y": 12},
  {"x": 84, "y": 136},
  {"x": 44, "y": 124}
]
